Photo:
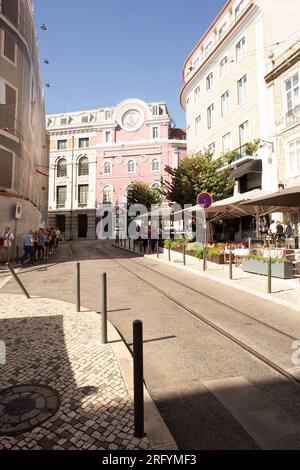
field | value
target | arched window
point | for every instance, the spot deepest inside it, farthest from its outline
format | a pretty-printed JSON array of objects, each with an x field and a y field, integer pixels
[
  {"x": 61, "y": 168},
  {"x": 107, "y": 168},
  {"x": 131, "y": 166},
  {"x": 155, "y": 164},
  {"x": 107, "y": 195},
  {"x": 155, "y": 185},
  {"x": 83, "y": 166},
  {"x": 127, "y": 189}
]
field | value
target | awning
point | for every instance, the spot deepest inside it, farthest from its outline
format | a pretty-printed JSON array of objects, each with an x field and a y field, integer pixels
[
  {"x": 255, "y": 166},
  {"x": 289, "y": 197}
]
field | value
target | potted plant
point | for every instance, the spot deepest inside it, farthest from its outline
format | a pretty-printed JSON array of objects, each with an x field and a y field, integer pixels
[
  {"x": 251, "y": 147},
  {"x": 258, "y": 264}
]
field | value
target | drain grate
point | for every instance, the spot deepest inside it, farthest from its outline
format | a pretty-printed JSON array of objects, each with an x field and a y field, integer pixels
[{"x": 24, "y": 407}]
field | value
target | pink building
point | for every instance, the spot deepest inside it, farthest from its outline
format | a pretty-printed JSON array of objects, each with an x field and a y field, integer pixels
[{"x": 135, "y": 143}]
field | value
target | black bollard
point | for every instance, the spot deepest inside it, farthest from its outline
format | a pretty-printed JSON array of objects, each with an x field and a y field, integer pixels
[
  {"x": 204, "y": 259},
  {"x": 230, "y": 263},
  {"x": 18, "y": 280},
  {"x": 78, "y": 287},
  {"x": 184, "y": 257},
  {"x": 157, "y": 248},
  {"x": 138, "y": 376},
  {"x": 270, "y": 275},
  {"x": 104, "y": 309},
  {"x": 296, "y": 243},
  {"x": 169, "y": 250}
]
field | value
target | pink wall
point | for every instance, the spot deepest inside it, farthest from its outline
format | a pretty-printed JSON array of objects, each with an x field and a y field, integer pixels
[{"x": 136, "y": 145}]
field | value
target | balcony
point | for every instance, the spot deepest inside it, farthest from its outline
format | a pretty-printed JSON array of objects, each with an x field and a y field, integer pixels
[
  {"x": 293, "y": 116},
  {"x": 241, "y": 154}
]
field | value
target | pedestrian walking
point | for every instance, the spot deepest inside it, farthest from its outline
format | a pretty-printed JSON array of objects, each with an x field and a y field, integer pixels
[
  {"x": 46, "y": 244},
  {"x": 28, "y": 248},
  {"x": 40, "y": 240},
  {"x": 8, "y": 238}
]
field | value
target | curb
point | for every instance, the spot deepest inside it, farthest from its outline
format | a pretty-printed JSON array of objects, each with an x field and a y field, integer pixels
[{"x": 225, "y": 282}]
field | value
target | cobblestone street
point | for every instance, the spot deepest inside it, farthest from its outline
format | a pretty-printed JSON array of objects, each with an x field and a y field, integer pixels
[{"x": 48, "y": 344}]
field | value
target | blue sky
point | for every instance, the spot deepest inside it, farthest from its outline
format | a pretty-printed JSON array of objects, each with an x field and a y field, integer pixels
[{"x": 104, "y": 51}]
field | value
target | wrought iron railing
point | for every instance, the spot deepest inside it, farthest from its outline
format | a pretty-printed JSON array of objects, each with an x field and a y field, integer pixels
[{"x": 293, "y": 116}]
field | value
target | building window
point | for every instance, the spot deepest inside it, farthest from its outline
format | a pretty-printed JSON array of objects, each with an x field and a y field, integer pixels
[
  {"x": 223, "y": 66},
  {"x": 84, "y": 119},
  {"x": 9, "y": 47},
  {"x": 131, "y": 166},
  {"x": 294, "y": 158},
  {"x": 195, "y": 62},
  {"x": 240, "y": 48},
  {"x": 222, "y": 30},
  {"x": 107, "y": 137},
  {"x": 226, "y": 142},
  {"x": 244, "y": 133},
  {"x": 292, "y": 92},
  {"x": 155, "y": 132},
  {"x": 242, "y": 90},
  {"x": 198, "y": 125},
  {"x": 83, "y": 166},
  {"x": 210, "y": 116},
  {"x": 155, "y": 165},
  {"x": 6, "y": 169},
  {"x": 207, "y": 48},
  {"x": 107, "y": 195},
  {"x": 10, "y": 10},
  {"x": 62, "y": 144},
  {"x": 225, "y": 104},
  {"x": 156, "y": 186},
  {"x": 61, "y": 168},
  {"x": 197, "y": 94},
  {"x": 155, "y": 110},
  {"x": 63, "y": 122},
  {"x": 61, "y": 196},
  {"x": 212, "y": 148},
  {"x": 239, "y": 9},
  {"x": 8, "y": 108},
  {"x": 107, "y": 116},
  {"x": 107, "y": 168},
  {"x": 83, "y": 194},
  {"x": 83, "y": 143},
  {"x": 209, "y": 81}
]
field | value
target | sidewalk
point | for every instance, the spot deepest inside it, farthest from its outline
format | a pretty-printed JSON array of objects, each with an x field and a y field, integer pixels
[
  {"x": 284, "y": 291},
  {"x": 75, "y": 392}
]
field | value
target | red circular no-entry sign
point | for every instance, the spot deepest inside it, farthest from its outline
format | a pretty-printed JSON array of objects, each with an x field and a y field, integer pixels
[{"x": 204, "y": 200}]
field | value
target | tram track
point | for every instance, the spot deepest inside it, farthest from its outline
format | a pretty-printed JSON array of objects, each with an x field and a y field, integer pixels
[{"x": 208, "y": 322}]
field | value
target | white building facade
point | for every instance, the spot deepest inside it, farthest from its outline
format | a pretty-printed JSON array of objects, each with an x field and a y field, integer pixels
[
  {"x": 72, "y": 182},
  {"x": 225, "y": 94}
]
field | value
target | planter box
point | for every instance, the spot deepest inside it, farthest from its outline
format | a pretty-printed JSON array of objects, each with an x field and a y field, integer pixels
[
  {"x": 217, "y": 258},
  {"x": 282, "y": 270}
]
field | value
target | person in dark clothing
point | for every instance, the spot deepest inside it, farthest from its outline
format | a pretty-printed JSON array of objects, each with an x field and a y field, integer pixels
[{"x": 279, "y": 231}]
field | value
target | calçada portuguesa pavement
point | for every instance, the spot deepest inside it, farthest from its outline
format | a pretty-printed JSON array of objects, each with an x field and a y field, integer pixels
[{"x": 78, "y": 391}]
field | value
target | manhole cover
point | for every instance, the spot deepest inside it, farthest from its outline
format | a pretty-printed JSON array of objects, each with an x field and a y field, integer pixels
[{"x": 24, "y": 407}]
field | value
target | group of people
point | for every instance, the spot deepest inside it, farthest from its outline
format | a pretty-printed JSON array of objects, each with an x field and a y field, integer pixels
[
  {"x": 39, "y": 245},
  {"x": 279, "y": 231}
]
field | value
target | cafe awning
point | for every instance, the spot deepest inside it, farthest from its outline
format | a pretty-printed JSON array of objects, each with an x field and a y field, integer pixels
[{"x": 280, "y": 200}]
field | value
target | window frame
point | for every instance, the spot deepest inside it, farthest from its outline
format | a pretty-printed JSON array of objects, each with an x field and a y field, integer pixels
[
  {"x": 211, "y": 117},
  {"x": 59, "y": 141},
  {"x": 3, "y": 35},
  {"x": 221, "y": 67},
  {"x": 154, "y": 170},
  {"x": 60, "y": 204},
  {"x": 81, "y": 140},
  {"x": 58, "y": 167},
  {"x": 198, "y": 126},
  {"x": 80, "y": 203},
  {"x": 243, "y": 37},
  {"x": 111, "y": 190},
  {"x": 80, "y": 167},
  {"x": 228, "y": 106},
  {"x": 105, "y": 164},
  {"x": 290, "y": 77},
  {"x": 127, "y": 167},
  {"x": 209, "y": 81},
  {"x": 153, "y": 137},
  {"x": 246, "y": 88},
  {"x": 229, "y": 140},
  {"x": 197, "y": 94}
]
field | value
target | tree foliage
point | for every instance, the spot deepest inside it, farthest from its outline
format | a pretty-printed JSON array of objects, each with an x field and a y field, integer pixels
[
  {"x": 197, "y": 173},
  {"x": 141, "y": 193}
]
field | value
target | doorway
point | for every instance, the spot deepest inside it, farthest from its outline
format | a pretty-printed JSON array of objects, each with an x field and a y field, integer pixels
[
  {"x": 82, "y": 225},
  {"x": 61, "y": 223}
]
